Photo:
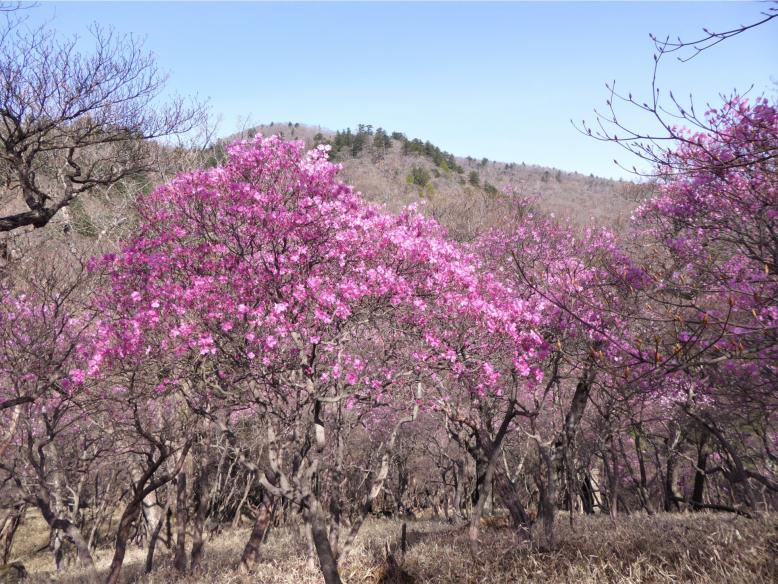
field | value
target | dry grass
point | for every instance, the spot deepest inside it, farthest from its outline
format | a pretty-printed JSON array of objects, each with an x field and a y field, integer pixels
[{"x": 665, "y": 549}]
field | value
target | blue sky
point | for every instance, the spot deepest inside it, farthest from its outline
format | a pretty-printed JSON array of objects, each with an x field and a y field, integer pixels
[{"x": 498, "y": 80}]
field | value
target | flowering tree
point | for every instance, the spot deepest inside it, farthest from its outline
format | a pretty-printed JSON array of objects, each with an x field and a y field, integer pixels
[
  {"x": 67, "y": 429},
  {"x": 713, "y": 229},
  {"x": 275, "y": 289},
  {"x": 41, "y": 341},
  {"x": 583, "y": 285}
]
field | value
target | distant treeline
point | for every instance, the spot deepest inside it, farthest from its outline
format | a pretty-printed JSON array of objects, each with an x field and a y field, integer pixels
[{"x": 349, "y": 142}]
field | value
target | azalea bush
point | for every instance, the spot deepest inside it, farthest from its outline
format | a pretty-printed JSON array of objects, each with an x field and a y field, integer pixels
[{"x": 274, "y": 289}]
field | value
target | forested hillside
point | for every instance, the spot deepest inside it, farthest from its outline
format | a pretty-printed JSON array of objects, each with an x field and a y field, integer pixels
[{"x": 466, "y": 194}]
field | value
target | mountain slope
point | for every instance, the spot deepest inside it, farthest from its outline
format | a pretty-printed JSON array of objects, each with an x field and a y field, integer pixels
[{"x": 396, "y": 171}]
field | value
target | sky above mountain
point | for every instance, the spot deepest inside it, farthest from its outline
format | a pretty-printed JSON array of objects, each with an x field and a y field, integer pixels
[{"x": 495, "y": 80}]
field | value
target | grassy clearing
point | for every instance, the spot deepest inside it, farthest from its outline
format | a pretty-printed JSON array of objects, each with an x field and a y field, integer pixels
[{"x": 700, "y": 548}]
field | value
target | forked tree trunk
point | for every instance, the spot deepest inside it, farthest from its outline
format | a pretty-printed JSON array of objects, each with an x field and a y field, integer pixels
[
  {"x": 153, "y": 538},
  {"x": 141, "y": 488},
  {"x": 510, "y": 498},
  {"x": 485, "y": 451},
  {"x": 152, "y": 513},
  {"x": 71, "y": 531}
]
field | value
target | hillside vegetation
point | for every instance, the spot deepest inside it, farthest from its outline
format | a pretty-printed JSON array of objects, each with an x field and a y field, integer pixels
[{"x": 464, "y": 193}]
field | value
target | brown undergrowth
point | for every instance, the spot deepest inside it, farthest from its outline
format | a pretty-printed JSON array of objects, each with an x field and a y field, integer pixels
[{"x": 699, "y": 548}]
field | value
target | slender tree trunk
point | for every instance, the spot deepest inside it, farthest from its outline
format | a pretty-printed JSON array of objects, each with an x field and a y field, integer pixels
[
  {"x": 10, "y": 531},
  {"x": 122, "y": 536},
  {"x": 645, "y": 500},
  {"x": 182, "y": 519},
  {"x": 671, "y": 451},
  {"x": 201, "y": 504},
  {"x": 153, "y": 538},
  {"x": 169, "y": 528},
  {"x": 613, "y": 477},
  {"x": 103, "y": 512},
  {"x": 548, "y": 494},
  {"x": 239, "y": 510},
  {"x": 459, "y": 479},
  {"x": 699, "y": 476},
  {"x": 251, "y": 553},
  {"x": 327, "y": 562}
]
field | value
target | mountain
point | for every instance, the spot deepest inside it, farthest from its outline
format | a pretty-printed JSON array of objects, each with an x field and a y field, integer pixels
[{"x": 464, "y": 194}]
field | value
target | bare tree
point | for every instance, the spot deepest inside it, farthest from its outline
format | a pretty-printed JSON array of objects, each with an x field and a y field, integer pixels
[
  {"x": 71, "y": 122},
  {"x": 668, "y": 114}
]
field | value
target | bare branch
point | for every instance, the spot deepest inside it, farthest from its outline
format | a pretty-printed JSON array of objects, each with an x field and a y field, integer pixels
[{"x": 73, "y": 122}]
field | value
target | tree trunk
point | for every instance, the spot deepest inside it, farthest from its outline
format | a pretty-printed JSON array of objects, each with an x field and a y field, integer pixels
[
  {"x": 671, "y": 498},
  {"x": 182, "y": 519},
  {"x": 699, "y": 475},
  {"x": 201, "y": 504},
  {"x": 239, "y": 510},
  {"x": 327, "y": 562},
  {"x": 69, "y": 529},
  {"x": 153, "y": 538},
  {"x": 11, "y": 528},
  {"x": 484, "y": 470},
  {"x": 548, "y": 494},
  {"x": 152, "y": 512},
  {"x": 142, "y": 488},
  {"x": 82, "y": 548},
  {"x": 611, "y": 472},
  {"x": 459, "y": 479},
  {"x": 122, "y": 536},
  {"x": 251, "y": 555},
  {"x": 510, "y": 498},
  {"x": 587, "y": 495},
  {"x": 645, "y": 500}
]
